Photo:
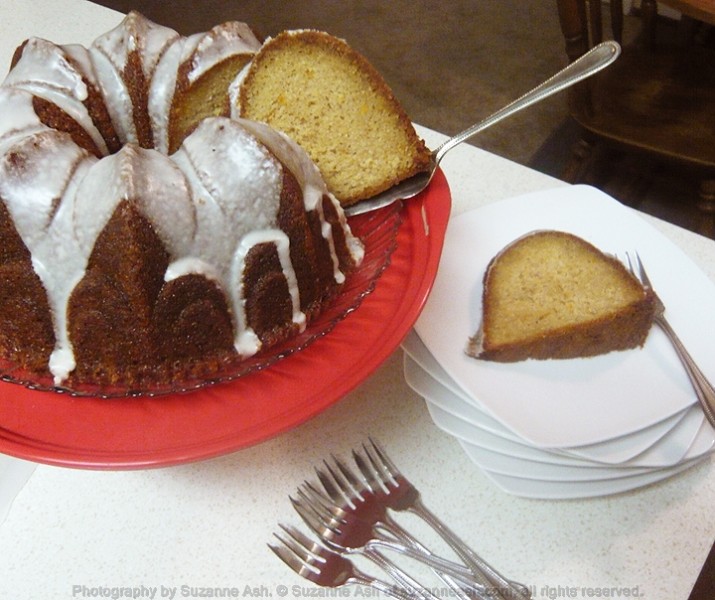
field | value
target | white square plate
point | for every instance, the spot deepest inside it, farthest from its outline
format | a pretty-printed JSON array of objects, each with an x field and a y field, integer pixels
[{"x": 566, "y": 403}]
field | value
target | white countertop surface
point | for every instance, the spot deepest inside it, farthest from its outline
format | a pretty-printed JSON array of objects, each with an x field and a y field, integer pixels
[{"x": 79, "y": 534}]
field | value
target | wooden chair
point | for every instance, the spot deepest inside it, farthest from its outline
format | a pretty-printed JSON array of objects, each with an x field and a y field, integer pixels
[{"x": 657, "y": 99}]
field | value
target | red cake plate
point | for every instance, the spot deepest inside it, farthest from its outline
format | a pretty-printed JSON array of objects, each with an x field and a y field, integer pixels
[{"x": 168, "y": 429}]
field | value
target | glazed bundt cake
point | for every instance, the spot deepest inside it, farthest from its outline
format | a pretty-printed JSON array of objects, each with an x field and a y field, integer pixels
[
  {"x": 329, "y": 99},
  {"x": 551, "y": 294},
  {"x": 123, "y": 261}
]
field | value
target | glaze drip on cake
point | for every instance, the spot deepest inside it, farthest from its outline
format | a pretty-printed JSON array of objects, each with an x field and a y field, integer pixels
[
  {"x": 130, "y": 53},
  {"x": 52, "y": 74}
]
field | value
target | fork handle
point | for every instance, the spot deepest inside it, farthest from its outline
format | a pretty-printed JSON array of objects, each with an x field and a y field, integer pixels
[
  {"x": 381, "y": 586},
  {"x": 411, "y": 547},
  {"x": 476, "y": 564},
  {"x": 440, "y": 565},
  {"x": 703, "y": 388},
  {"x": 408, "y": 584}
]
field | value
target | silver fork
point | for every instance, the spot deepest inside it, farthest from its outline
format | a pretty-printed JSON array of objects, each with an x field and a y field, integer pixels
[
  {"x": 358, "y": 499},
  {"x": 399, "y": 494},
  {"x": 368, "y": 499},
  {"x": 352, "y": 540},
  {"x": 346, "y": 532},
  {"x": 324, "y": 567},
  {"x": 703, "y": 388}
]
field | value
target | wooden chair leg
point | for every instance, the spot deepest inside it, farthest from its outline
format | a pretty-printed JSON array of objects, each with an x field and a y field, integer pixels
[
  {"x": 706, "y": 201},
  {"x": 649, "y": 10},
  {"x": 581, "y": 152},
  {"x": 706, "y": 204}
]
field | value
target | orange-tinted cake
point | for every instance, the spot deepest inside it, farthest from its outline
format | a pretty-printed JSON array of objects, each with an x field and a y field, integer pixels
[
  {"x": 551, "y": 294},
  {"x": 328, "y": 98}
]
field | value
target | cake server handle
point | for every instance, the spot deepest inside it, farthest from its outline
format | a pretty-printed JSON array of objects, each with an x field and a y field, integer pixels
[{"x": 596, "y": 59}]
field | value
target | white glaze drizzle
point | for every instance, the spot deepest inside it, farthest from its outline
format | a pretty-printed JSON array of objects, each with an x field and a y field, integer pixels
[
  {"x": 246, "y": 341},
  {"x": 236, "y": 183},
  {"x": 314, "y": 189},
  {"x": 36, "y": 171},
  {"x": 17, "y": 118},
  {"x": 228, "y": 39},
  {"x": 45, "y": 71},
  {"x": 162, "y": 86},
  {"x": 154, "y": 184},
  {"x": 110, "y": 53}
]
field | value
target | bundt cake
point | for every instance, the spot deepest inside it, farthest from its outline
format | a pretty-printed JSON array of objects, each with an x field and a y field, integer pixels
[
  {"x": 123, "y": 261},
  {"x": 328, "y": 98},
  {"x": 551, "y": 294}
]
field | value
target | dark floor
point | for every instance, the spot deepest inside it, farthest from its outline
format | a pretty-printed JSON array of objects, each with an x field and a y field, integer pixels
[{"x": 453, "y": 63}]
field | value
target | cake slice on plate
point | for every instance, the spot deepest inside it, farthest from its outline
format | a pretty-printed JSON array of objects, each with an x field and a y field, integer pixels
[{"x": 551, "y": 294}]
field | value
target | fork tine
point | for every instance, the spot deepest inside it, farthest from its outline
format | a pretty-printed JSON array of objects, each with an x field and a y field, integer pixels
[
  {"x": 294, "y": 551},
  {"x": 330, "y": 487},
  {"x": 631, "y": 267},
  {"x": 289, "y": 558},
  {"x": 320, "y": 503},
  {"x": 628, "y": 263},
  {"x": 356, "y": 484},
  {"x": 303, "y": 502},
  {"x": 385, "y": 468},
  {"x": 330, "y": 515},
  {"x": 316, "y": 494},
  {"x": 369, "y": 472},
  {"x": 345, "y": 492},
  {"x": 642, "y": 272},
  {"x": 301, "y": 540},
  {"x": 315, "y": 522},
  {"x": 637, "y": 269},
  {"x": 389, "y": 465}
]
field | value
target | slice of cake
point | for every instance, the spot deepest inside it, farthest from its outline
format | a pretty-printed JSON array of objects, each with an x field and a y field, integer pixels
[
  {"x": 551, "y": 294},
  {"x": 207, "y": 65},
  {"x": 330, "y": 100}
]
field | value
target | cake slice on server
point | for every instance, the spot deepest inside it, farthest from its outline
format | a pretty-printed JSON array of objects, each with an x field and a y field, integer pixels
[{"x": 332, "y": 101}]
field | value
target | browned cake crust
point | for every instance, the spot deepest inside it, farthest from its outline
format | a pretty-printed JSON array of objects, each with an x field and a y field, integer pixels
[
  {"x": 137, "y": 85},
  {"x": 26, "y": 335},
  {"x": 623, "y": 325},
  {"x": 100, "y": 115},
  {"x": 128, "y": 326},
  {"x": 53, "y": 116}
]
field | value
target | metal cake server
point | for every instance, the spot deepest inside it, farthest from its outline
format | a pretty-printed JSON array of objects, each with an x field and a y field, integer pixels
[{"x": 593, "y": 61}]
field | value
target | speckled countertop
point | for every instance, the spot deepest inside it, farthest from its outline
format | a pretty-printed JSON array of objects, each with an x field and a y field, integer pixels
[{"x": 79, "y": 534}]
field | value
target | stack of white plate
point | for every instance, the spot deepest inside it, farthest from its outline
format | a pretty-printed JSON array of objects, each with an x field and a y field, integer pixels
[{"x": 565, "y": 428}]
